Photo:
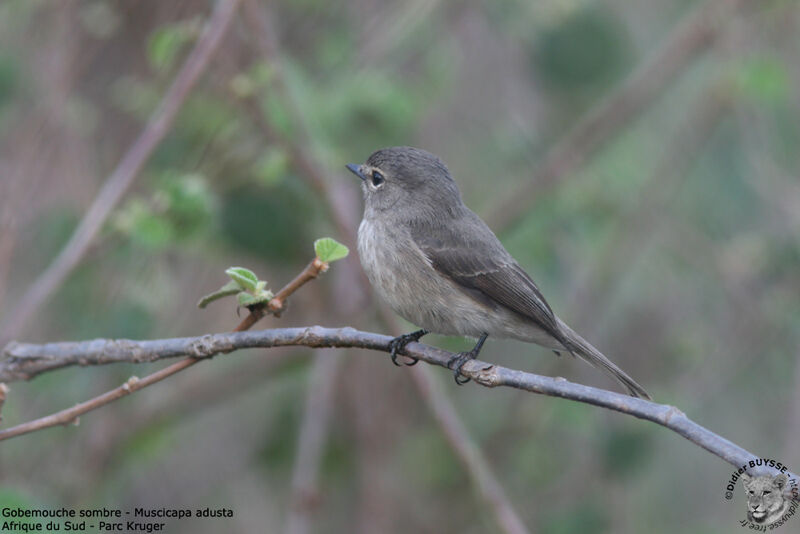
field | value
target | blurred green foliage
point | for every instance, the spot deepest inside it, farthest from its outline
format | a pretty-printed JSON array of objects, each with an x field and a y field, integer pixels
[
  {"x": 167, "y": 41},
  {"x": 587, "y": 49},
  {"x": 252, "y": 218},
  {"x": 180, "y": 208}
]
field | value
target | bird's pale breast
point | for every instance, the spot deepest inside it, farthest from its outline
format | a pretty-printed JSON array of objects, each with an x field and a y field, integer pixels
[{"x": 405, "y": 279}]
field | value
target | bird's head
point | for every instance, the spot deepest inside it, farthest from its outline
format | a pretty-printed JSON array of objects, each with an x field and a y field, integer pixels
[{"x": 406, "y": 178}]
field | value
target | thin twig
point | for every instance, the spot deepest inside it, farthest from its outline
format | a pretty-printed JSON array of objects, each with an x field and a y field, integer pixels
[
  {"x": 693, "y": 36},
  {"x": 70, "y": 415},
  {"x": 277, "y": 304},
  {"x": 103, "y": 353},
  {"x": 483, "y": 373},
  {"x": 124, "y": 174}
]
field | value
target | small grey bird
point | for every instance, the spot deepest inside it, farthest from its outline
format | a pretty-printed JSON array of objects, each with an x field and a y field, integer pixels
[{"x": 439, "y": 265}]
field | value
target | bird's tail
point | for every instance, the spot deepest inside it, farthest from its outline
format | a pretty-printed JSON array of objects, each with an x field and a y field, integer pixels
[{"x": 582, "y": 348}]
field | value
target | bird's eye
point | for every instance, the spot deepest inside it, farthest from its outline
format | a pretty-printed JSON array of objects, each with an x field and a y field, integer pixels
[{"x": 377, "y": 178}]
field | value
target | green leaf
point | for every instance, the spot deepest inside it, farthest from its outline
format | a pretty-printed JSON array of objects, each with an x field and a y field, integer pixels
[
  {"x": 231, "y": 288},
  {"x": 246, "y": 299},
  {"x": 244, "y": 277},
  {"x": 329, "y": 250}
]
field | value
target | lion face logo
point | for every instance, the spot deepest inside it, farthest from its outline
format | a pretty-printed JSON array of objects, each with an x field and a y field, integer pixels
[{"x": 765, "y": 501}]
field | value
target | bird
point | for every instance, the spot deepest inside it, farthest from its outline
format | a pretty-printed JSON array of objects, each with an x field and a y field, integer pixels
[{"x": 439, "y": 265}]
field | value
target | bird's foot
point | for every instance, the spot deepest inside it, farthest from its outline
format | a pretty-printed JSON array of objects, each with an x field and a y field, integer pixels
[
  {"x": 398, "y": 346},
  {"x": 457, "y": 362}
]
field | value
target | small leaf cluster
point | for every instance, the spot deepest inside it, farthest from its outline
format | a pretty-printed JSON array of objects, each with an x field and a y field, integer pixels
[
  {"x": 244, "y": 283},
  {"x": 250, "y": 291}
]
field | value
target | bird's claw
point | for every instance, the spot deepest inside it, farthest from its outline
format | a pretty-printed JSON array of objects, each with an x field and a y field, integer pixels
[
  {"x": 397, "y": 346},
  {"x": 394, "y": 350},
  {"x": 456, "y": 363},
  {"x": 462, "y": 357}
]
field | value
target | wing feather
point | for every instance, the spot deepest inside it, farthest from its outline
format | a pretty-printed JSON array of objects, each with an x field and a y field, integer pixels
[{"x": 476, "y": 260}]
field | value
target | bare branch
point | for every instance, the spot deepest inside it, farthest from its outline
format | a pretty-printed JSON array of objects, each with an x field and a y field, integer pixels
[
  {"x": 483, "y": 373},
  {"x": 126, "y": 171},
  {"x": 597, "y": 127}
]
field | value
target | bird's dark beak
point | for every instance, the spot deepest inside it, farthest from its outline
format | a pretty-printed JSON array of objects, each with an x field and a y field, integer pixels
[{"x": 356, "y": 169}]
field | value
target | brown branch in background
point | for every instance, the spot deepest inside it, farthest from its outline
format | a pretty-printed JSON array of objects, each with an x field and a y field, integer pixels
[
  {"x": 693, "y": 36},
  {"x": 482, "y": 373},
  {"x": 124, "y": 174},
  {"x": 305, "y": 495},
  {"x": 456, "y": 434},
  {"x": 33, "y": 363},
  {"x": 459, "y": 439}
]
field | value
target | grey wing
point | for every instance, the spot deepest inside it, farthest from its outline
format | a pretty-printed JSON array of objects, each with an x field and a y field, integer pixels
[{"x": 470, "y": 254}]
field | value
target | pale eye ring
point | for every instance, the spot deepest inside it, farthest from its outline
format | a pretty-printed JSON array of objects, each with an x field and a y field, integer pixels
[{"x": 377, "y": 178}]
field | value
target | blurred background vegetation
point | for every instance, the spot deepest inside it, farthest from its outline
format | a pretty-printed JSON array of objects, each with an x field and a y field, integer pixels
[{"x": 673, "y": 247}]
